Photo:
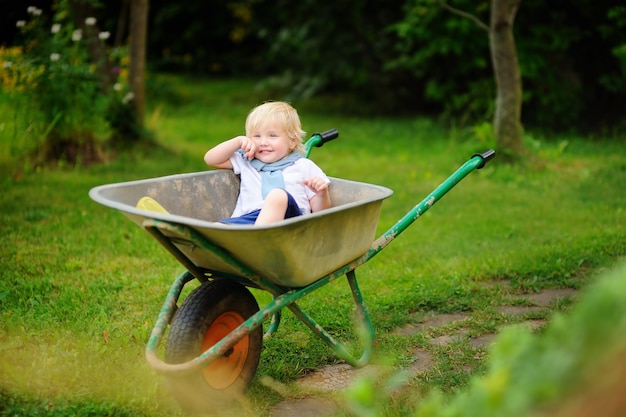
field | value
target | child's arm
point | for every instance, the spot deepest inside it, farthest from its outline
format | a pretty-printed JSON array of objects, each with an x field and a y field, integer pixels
[
  {"x": 219, "y": 156},
  {"x": 321, "y": 199}
]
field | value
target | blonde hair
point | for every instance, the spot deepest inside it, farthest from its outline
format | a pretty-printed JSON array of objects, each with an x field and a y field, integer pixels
[{"x": 281, "y": 114}]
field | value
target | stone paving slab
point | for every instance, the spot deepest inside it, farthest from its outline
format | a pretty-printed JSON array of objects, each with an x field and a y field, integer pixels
[
  {"x": 422, "y": 362},
  {"x": 336, "y": 377},
  {"x": 547, "y": 297},
  {"x": 304, "y": 407},
  {"x": 431, "y": 320}
]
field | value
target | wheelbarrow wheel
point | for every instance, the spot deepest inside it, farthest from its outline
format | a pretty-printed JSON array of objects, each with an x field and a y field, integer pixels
[{"x": 208, "y": 314}]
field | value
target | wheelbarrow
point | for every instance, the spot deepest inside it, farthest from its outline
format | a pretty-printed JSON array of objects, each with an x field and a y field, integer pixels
[{"x": 215, "y": 335}]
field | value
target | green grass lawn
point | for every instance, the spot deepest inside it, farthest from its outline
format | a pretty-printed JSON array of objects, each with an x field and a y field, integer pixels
[{"x": 81, "y": 286}]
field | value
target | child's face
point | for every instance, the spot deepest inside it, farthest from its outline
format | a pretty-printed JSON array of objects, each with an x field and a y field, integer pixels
[{"x": 272, "y": 143}]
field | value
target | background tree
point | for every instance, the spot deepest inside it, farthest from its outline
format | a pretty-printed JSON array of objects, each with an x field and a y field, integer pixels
[
  {"x": 507, "y": 123},
  {"x": 568, "y": 51},
  {"x": 138, "y": 41}
]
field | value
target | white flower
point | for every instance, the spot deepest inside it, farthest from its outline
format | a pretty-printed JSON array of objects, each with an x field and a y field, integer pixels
[
  {"x": 54, "y": 57},
  {"x": 55, "y": 28},
  {"x": 20, "y": 23},
  {"x": 33, "y": 10},
  {"x": 7, "y": 64},
  {"x": 90, "y": 21},
  {"x": 77, "y": 35},
  {"x": 104, "y": 35},
  {"x": 117, "y": 87},
  {"x": 128, "y": 97}
]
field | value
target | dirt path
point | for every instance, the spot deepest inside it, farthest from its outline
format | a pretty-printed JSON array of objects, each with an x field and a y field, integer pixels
[{"x": 335, "y": 378}]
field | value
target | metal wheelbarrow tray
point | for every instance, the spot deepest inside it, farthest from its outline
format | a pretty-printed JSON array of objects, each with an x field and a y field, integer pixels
[
  {"x": 215, "y": 336},
  {"x": 291, "y": 253}
]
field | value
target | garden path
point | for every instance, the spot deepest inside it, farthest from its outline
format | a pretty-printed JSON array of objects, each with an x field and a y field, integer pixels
[{"x": 338, "y": 377}]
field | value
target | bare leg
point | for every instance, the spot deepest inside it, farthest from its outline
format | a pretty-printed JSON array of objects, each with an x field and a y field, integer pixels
[{"x": 274, "y": 207}]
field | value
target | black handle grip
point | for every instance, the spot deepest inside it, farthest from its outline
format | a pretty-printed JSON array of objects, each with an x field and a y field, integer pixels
[
  {"x": 327, "y": 136},
  {"x": 486, "y": 156}
]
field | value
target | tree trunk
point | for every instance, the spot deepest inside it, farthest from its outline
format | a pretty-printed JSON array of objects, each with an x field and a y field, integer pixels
[
  {"x": 138, "y": 38},
  {"x": 507, "y": 119}
]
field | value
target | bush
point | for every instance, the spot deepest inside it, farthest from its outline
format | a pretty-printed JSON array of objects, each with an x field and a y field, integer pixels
[{"x": 64, "y": 91}]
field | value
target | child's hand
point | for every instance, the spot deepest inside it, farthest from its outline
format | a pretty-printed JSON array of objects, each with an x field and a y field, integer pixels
[
  {"x": 316, "y": 184},
  {"x": 248, "y": 146},
  {"x": 321, "y": 199}
]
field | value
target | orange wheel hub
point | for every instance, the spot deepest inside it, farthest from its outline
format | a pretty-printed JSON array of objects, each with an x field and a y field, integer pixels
[{"x": 222, "y": 372}]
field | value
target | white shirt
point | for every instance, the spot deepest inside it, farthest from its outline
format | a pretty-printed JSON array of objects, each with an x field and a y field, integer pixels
[{"x": 250, "y": 197}]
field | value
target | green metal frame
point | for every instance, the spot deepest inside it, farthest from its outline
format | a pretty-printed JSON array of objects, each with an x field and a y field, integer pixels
[{"x": 283, "y": 297}]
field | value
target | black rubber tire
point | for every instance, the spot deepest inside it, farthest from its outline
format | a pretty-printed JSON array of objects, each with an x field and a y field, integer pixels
[{"x": 213, "y": 303}]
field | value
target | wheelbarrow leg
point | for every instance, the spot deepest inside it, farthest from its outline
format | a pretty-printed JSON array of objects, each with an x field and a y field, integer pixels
[
  {"x": 364, "y": 321},
  {"x": 273, "y": 326}
]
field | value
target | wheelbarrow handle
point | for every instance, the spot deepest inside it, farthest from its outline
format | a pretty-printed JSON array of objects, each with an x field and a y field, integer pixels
[
  {"x": 326, "y": 136},
  {"x": 486, "y": 156}
]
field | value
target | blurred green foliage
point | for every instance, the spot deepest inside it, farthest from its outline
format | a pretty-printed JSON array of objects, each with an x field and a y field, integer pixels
[{"x": 399, "y": 56}]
